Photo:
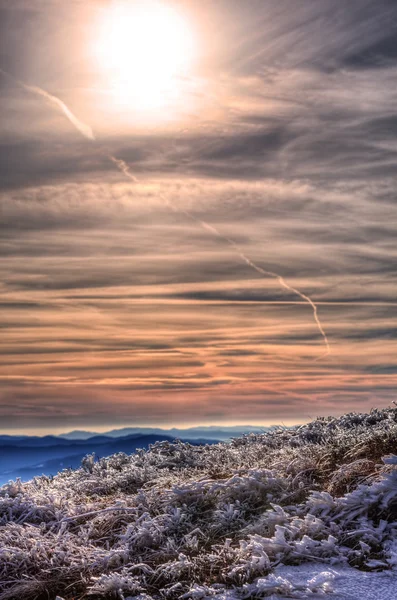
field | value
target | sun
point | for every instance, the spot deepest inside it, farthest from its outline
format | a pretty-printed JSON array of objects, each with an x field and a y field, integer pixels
[{"x": 146, "y": 49}]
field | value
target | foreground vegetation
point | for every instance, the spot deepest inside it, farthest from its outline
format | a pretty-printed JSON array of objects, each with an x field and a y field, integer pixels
[{"x": 181, "y": 521}]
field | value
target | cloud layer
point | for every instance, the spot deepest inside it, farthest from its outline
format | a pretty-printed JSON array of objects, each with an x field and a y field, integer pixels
[{"x": 117, "y": 308}]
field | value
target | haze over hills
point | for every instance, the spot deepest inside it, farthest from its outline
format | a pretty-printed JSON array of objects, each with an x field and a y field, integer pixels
[
  {"x": 214, "y": 432},
  {"x": 26, "y": 457}
]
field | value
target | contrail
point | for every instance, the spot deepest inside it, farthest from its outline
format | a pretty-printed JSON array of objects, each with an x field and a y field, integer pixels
[
  {"x": 286, "y": 286},
  {"x": 122, "y": 166},
  {"x": 83, "y": 128},
  {"x": 266, "y": 273}
]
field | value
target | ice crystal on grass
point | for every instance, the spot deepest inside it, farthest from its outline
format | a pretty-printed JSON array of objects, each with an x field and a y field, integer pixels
[{"x": 180, "y": 521}]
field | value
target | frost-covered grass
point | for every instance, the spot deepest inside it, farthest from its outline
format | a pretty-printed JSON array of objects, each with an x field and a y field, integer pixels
[{"x": 182, "y": 521}]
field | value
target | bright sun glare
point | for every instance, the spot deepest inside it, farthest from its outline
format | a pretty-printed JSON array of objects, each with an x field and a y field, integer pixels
[{"x": 146, "y": 49}]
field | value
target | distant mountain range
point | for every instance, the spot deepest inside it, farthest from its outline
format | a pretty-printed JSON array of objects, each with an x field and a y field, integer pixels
[
  {"x": 27, "y": 456},
  {"x": 209, "y": 432}
]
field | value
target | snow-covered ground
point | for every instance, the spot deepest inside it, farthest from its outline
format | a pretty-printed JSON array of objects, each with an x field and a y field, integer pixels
[
  {"x": 302, "y": 513},
  {"x": 338, "y": 583},
  {"x": 347, "y": 583}
]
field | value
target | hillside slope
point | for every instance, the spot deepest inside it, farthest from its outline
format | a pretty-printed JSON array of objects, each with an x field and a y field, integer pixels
[
  {"x": 47, "y": 456},
  {"x": 183, "y": 521}
]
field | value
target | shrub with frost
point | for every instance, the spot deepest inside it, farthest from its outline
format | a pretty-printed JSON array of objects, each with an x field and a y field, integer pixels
[{"x": 182, "y": 521}]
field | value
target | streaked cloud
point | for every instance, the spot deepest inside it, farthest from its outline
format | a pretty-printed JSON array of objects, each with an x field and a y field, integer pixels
[{"x": 114, "y": 304}]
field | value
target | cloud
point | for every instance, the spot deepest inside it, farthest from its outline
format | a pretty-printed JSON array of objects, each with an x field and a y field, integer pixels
[
  {"x": 81, "y": 127},
  {"x": 124, "y": 298},
  {"x": 112, "y": 300}
]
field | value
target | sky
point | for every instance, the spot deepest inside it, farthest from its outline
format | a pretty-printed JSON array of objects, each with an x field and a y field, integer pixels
[{"x": 198, "y": 213}]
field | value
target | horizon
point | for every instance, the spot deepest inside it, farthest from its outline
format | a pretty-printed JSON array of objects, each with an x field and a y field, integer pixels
[
  {"x": 61, "y": 431},
  {"x": 180, "y": 426},
  {"x": 198, "y": 211}
]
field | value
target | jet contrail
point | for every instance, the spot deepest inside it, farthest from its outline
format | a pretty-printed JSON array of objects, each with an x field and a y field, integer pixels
[
  {"x": 122, "y": 166},
  {"x": 286, "y": 286},
  {"x": 84, "y": 129},
  {"x": 266, "y": 273}
]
